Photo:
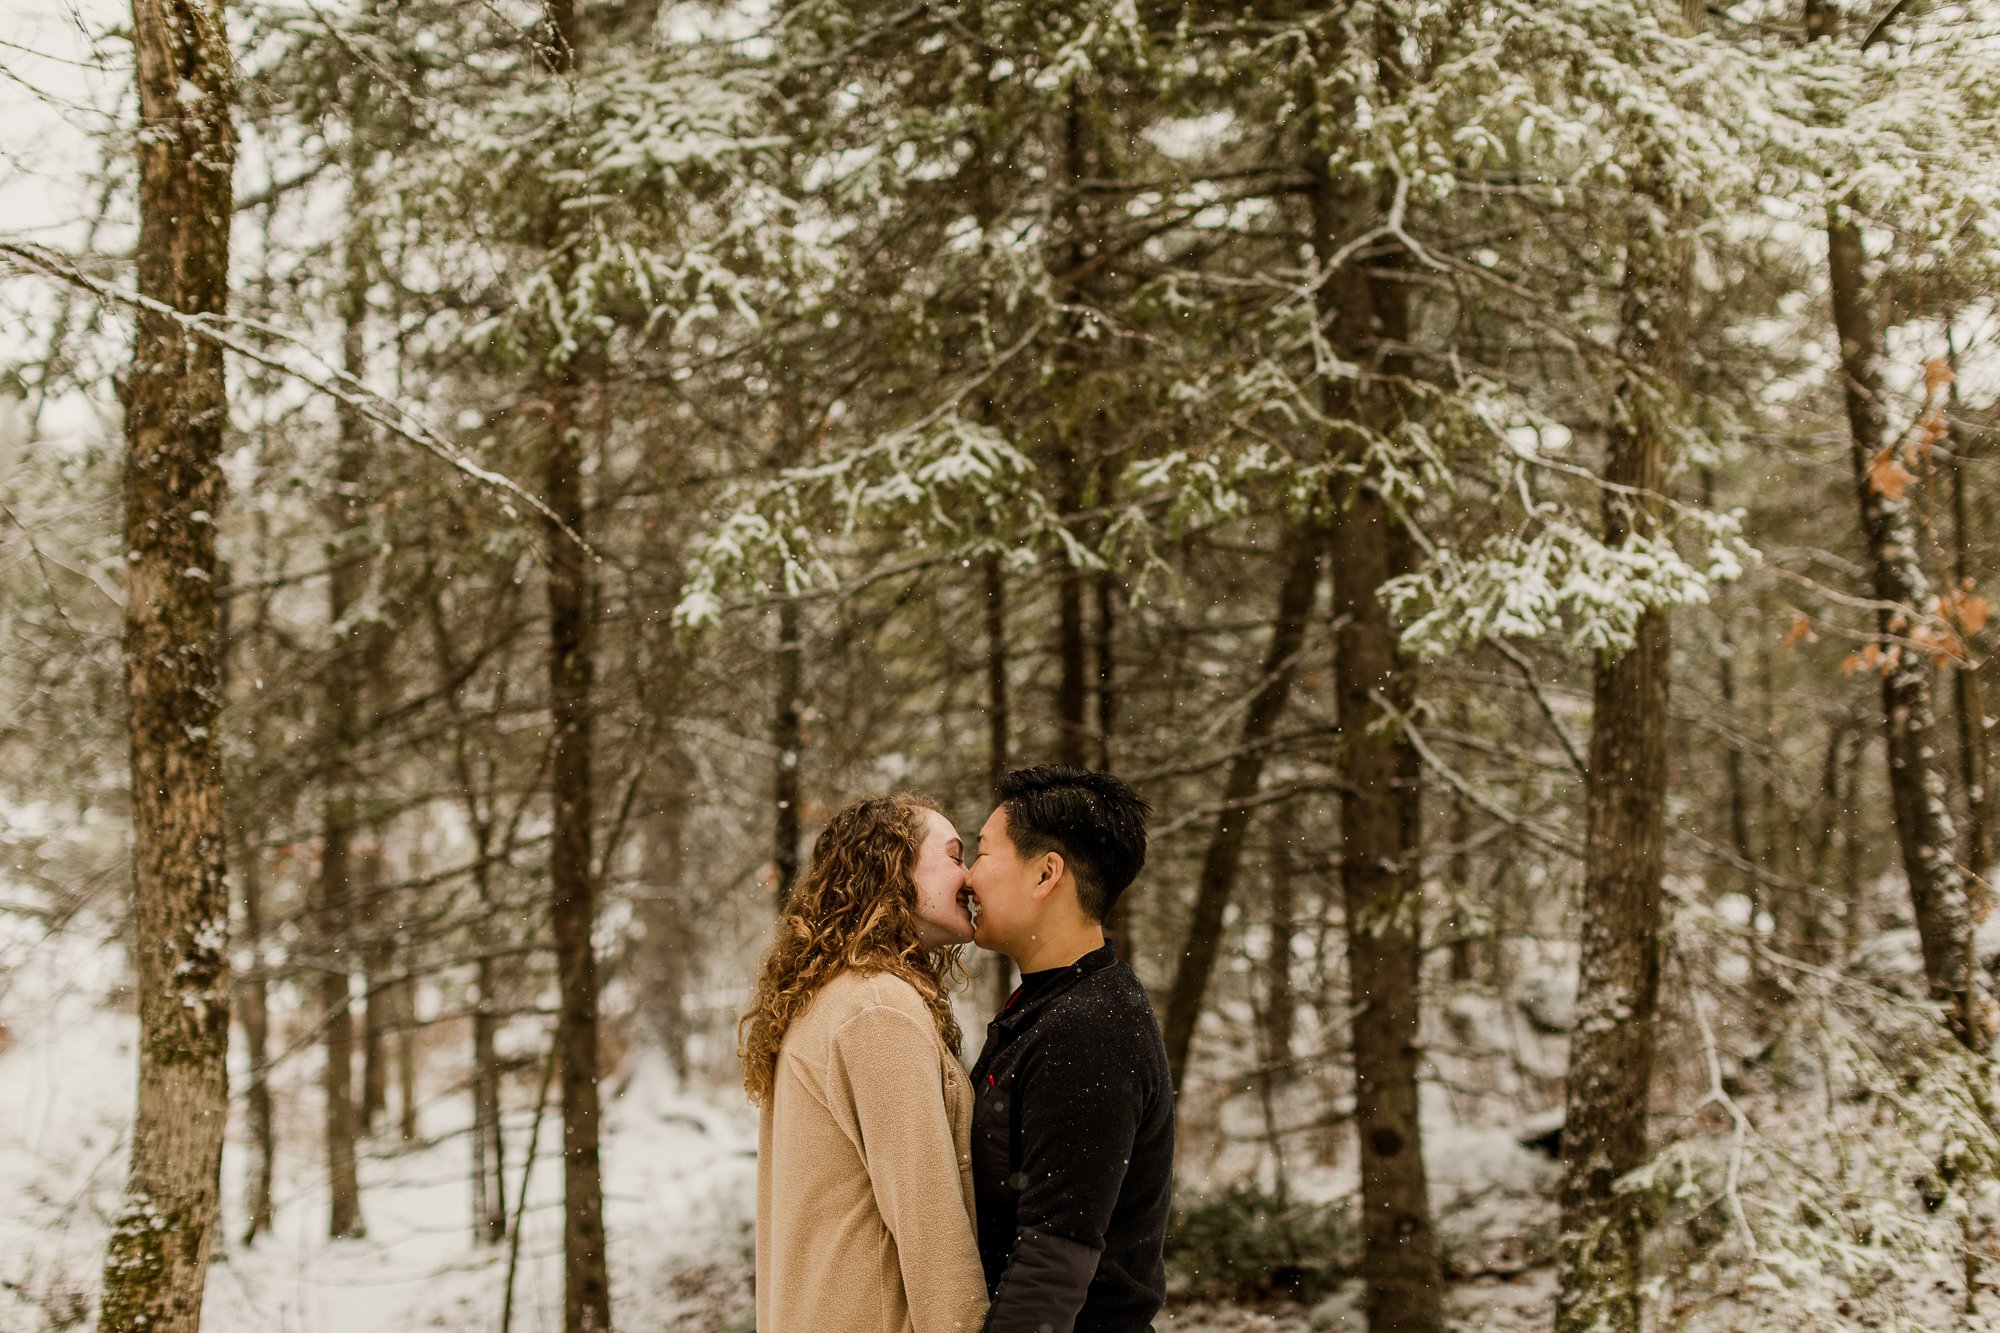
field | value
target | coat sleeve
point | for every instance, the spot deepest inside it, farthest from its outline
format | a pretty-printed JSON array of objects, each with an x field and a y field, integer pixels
[
  {"x": 887, "y": 1063},
  {"x": 1080, "y": 1111}
]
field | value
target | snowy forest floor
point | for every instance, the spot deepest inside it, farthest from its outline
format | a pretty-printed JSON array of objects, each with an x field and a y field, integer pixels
[{"x": 679, "y": 1174}]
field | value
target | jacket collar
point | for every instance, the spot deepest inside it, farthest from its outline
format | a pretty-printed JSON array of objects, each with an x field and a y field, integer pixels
[{"x": 1018, "y": 1010}]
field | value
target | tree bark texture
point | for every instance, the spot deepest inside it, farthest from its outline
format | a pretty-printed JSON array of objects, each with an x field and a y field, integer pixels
[
  {"x": 1601, "y": 1256},
  {"x": 572, "y": 875},
  {"x": 1365, "y": 315},
  {"x": 176, "y": 410},
  {"x": 1923, "y": 820},
  {"x": 587, "y": 1297},
  {"x": 1968, "y": 684},
  {"x": 1924, "y": 832},
  {"x": 342, "y": 726}
]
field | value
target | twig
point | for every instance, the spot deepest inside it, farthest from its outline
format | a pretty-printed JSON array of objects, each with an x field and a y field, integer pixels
[
  {"x": 1553, "y": 841},
  {"x": 527, "y": 1169},
  {"x": 337, "y": 384},
  {"x": 1720, "y": 1097},
  {"x": 1527, "y": 670}
]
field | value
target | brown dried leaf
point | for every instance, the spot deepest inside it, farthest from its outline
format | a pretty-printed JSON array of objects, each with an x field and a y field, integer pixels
[
  {"x": 1937, "y": 374},
  {"x": 1888, "y": 475},
  {"x": 1801, "y": 629},
  {"x": 1935, "y": 425},
  {"x": 1940, "y": 642},
  {"x": 1973, "y": 612}
]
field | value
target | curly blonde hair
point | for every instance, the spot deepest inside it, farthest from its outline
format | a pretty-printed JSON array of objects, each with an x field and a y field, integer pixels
[{"x": 855, "y": 907}]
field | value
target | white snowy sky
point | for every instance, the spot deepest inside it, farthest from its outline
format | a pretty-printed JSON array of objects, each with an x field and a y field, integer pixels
[
  {"x": 61, "y": 78},
  {"x": 62, "y": 81}
]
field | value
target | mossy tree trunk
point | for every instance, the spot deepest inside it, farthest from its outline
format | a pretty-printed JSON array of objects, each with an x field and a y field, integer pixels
[{"x": 176, "y": 411}]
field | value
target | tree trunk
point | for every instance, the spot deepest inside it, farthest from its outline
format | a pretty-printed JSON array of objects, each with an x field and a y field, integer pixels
[
  {"x": 1740, "y": 840},
  {"x": 1281, "y": 1008},
  {"x": 787, "y": 738},
  {"x": 573, "y": 914},
  {"x": 1973, "y": 760},
  {"x": 1924, "y": 832},
  {"x": 406, "y": 1062},
  {"x": 377, "y": 1004},
  {"x": 997, "y": 729},
  {"x": 336, "y": 1017},
  {"x": 1225, "y": 844},
  {"x": 1853, "y": 888},
  {"x": 1601, "y": 1256},
  {"x": 1118, "y": 923},
  {"x": 587, "y": 1296},
  {"x": 1464, "y": 949},
  {"x": 665, "y": 975},
  {"x": 176, "y": 408},
  {"x": 1073, "y": 739},
  {"x": 1105, "y": 586},
  {"x": 253, "y": 993},
  {"x": 342, "y": 696},
  {"x": 1072, "y": 695},
  {"x": 489, "y": 1188},
  {"x": 1820, "y": 907},
  {"x": 1366, "y": 316}
]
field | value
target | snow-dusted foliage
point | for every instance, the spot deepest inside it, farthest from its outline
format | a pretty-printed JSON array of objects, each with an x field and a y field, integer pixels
[{"x": 1838, "y": 1164}]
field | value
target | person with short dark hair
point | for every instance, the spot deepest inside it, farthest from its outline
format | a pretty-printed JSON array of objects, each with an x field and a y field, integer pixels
[{"x": 1073, "y": 1126}]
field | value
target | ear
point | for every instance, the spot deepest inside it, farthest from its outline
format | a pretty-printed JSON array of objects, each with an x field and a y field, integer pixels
[{"x": 1052, "y": 873}]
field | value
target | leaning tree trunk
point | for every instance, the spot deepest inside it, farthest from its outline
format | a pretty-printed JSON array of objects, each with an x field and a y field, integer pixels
[
  {"x": 1366, "y": 316},
  {"x": 1601, "y": 1257},
  {"x": 1246, "y": 771},
  {"x": 1924, "y": 831},
  {"x": 572, "y": 884},
  {"x": 176, "y": 408}
]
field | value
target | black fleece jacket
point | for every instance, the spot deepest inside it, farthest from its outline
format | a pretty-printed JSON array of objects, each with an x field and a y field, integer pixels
[{"x": 1072, "y": 1153}]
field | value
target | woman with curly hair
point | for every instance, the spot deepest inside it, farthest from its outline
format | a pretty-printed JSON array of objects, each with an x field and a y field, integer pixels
[{"x": 850, "y": 1051}]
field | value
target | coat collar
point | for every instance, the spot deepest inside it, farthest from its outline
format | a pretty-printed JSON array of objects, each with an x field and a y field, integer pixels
[{"x": 1019, "y": 1008}]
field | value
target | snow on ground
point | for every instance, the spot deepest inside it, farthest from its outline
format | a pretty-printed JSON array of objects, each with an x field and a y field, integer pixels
[
  {"x": 679, "y": 1176},
  {"x": 679, "y": 1179}
]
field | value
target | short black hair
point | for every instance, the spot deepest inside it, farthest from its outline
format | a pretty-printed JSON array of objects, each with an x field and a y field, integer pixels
[{"x": 1095, "y": 821}]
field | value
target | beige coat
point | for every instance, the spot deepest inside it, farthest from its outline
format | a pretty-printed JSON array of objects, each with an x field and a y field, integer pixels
[{"x": 864, "y": 1172}]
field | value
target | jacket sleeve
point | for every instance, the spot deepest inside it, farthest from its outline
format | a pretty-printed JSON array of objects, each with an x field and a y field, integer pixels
[
  {"x": 1080, "y": 1110},
  {"x": 888, "y": 1066}
]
